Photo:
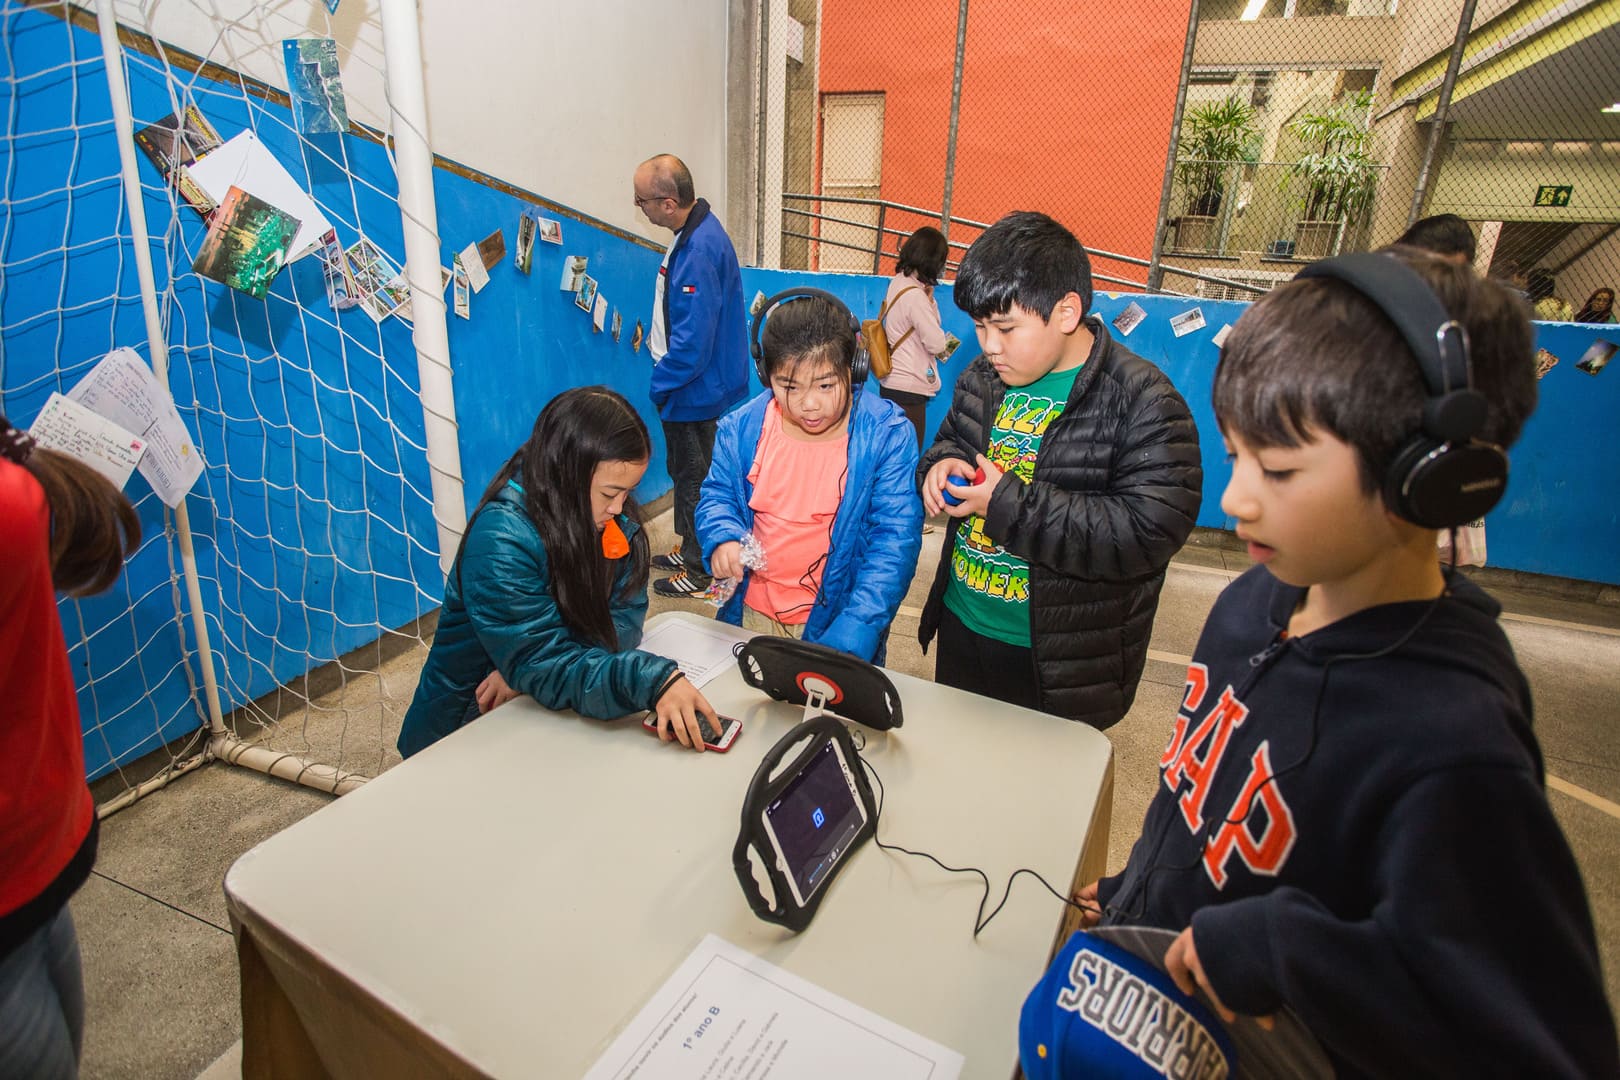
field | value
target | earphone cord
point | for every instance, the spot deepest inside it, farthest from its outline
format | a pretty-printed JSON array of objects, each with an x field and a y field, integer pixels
[
  {"x": 808, "y": 580},
  {"x": 1140, "y": 907},
  {"x": 980, "y": 920}
]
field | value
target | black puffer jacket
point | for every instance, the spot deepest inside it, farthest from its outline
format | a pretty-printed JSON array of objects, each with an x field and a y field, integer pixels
[{"x": 1118, "y": 480}]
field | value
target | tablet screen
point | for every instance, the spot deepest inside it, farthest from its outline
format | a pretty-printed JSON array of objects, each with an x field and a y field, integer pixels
[{"x": 815, "y": 820}]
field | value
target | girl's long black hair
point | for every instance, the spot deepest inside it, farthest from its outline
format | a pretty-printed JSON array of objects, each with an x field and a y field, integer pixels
[{"x": 578, "y": 430}]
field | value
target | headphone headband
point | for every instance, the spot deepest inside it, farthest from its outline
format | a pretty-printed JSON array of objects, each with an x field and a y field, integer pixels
[
  {"x": 1443, "y": 476},
  {"x": 860, "y": 364},
  {"x": 1455, "y": 410}
]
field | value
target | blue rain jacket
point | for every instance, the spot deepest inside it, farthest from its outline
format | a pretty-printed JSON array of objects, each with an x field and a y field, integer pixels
[{"x": 876, "y": 533}]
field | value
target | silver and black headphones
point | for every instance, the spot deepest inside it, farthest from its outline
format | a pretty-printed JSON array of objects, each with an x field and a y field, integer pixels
[
  {"x": 860, "y": 365},
  {"x": 1443, "y": 476}
]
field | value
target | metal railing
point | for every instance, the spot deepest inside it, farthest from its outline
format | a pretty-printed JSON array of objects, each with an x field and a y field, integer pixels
[
  {"x": 880, "y": 229},
  {"x": 1258, "y": 208}
]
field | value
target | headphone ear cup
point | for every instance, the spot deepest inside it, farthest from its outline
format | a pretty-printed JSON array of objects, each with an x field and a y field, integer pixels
[
  {"x": 1443, "y": 486},
  {"x": 860, "y": 365},
  {"x": 755, "y": 350}
]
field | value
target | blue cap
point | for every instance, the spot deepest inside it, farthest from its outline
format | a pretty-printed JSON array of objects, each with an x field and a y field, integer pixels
[{"x": 1102, "y": 1011}]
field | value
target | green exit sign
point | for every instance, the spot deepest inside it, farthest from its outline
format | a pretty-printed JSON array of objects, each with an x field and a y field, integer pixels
[{"x": 1554, "y": 194}]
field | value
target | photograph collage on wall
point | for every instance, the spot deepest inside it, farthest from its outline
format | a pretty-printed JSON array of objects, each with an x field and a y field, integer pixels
[
  {"x": 315, "y": 86},
  {"x": 378, "y": 280},
  {"x": 172, "y": 144},
  {"x": 474, "y": 264},
  {"x": 247, "y": 244}
]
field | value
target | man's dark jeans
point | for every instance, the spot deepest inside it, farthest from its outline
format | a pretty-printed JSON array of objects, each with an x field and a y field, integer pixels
[{"x": 689, "y": 447}]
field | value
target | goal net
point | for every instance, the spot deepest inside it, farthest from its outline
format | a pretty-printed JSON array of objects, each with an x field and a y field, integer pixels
[{"x": 279, "y": 319}]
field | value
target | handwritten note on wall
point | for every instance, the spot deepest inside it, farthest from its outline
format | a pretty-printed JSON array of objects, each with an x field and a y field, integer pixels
[
  {"x": 69, "y": 428},
  {"x": 123, "y": 389}
]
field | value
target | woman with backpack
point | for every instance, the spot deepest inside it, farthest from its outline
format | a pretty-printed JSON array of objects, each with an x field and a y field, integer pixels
[{"x": 910, "y": 317}]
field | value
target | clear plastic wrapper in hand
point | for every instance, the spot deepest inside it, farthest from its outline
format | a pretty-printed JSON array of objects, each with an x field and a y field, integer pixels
[{"x": 721, "y": 590}]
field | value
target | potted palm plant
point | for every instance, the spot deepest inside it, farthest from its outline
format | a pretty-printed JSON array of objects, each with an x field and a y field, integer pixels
[
  {"x": 1337, "y": 175},
  {"x": 1214, "y": 136}
]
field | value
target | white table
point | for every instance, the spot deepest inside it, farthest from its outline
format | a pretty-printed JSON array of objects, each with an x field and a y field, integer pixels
[{"x": 504, "y": 902}]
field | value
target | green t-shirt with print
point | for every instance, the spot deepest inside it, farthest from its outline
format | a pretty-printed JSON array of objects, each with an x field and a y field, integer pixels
[{"x": 989, "y": 589}]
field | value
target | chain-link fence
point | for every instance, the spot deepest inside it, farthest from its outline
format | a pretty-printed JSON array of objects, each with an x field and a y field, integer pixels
[{"x": 1234, "y": 139}]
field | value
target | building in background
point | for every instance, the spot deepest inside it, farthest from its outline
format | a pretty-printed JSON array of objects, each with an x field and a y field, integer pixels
[
  {"x": 1323, "y": 108},
  {"x": 1530, "y": 155},
  {"x": 1065, "y": 109}
]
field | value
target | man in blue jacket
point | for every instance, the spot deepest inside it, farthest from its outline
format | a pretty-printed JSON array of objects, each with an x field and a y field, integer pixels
[{"x": 699, "y": 346}]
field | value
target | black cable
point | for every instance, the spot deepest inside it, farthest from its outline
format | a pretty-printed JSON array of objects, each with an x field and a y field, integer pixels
[
  {"x": 980, "y": 919},
  {"x": 807, "y": 580}
]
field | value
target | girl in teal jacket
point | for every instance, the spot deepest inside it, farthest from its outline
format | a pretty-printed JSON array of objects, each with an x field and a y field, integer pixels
[{"x": 549, "y": 587}]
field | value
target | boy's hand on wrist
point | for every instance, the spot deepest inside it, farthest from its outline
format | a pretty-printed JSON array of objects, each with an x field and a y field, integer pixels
[
  {"x": 1182, "y": 964},
  {"x": 934, "y": 483},
  {"x": 1090, "y": 910},
  {"x": 976, "y": 497}
]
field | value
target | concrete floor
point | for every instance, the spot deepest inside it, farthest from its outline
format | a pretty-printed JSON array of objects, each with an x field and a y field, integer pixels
[{"x": 159, "y": 962}]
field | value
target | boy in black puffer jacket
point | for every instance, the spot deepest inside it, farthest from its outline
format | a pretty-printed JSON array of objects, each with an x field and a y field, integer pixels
[{"x": 1050, "y": 574}]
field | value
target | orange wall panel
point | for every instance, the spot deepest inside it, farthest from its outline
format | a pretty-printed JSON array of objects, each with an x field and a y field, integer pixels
[{"x": 1066, "y": 108}]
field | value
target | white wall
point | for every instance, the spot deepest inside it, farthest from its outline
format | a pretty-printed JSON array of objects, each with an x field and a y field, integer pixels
[
  {"x": 564, "y": 99},
  {"x": 1484, "y": 181},
  {"x": 1428, "y": 28},
  {"x": 1598, "y": 268}
]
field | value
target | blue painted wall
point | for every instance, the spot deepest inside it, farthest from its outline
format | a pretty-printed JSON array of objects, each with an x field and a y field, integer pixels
[
  {"x": 527, "y": 341},
  {"x": 312, "y": 522},
  {"x": 1562, "y": 511}
]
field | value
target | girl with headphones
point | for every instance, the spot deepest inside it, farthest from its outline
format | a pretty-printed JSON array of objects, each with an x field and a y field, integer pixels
[
  {"x": 820, "y": 474},
  {"x": 549, "y": 588}
]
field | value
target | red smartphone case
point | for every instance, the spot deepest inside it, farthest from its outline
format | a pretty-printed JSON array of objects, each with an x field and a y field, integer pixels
[{"x": 730, "y": 728}]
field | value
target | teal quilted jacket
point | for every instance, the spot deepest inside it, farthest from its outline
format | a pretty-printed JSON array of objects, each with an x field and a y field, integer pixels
[{"x": 499, "y": 615}]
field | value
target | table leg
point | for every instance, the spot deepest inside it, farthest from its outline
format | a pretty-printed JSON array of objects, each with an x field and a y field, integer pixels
[
  {"x": 274, "y": 1042},
  {"x": 301, "y": 1019}
]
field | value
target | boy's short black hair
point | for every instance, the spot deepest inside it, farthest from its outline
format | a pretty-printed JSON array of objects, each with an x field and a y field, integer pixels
[
  {"x": 1443, "y": 234},
  {"x": 1316, "y": 354},
  {"x": 1026, "y": 259},
  {"x": 804, "y": 330},
  {"x": 923, "y": 255}
]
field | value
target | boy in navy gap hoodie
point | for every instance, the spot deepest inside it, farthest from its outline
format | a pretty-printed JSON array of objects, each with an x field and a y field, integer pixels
[{"x": 1364, "y": 839}]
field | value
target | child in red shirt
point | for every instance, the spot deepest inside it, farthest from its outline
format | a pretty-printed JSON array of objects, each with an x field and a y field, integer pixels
[{"x": 61, "y": 523}]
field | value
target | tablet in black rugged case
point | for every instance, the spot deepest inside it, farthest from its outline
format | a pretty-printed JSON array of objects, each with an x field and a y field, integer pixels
[
  {"x": 789, "y": 670},
  {"x": 805, "y": 821}
]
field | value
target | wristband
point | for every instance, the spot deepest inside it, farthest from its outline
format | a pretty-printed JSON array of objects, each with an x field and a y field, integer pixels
[{"x": 671, "y": 681}]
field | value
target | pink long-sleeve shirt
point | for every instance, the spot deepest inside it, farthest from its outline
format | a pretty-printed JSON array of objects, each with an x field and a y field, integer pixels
[{"x": 914, "y": 360}]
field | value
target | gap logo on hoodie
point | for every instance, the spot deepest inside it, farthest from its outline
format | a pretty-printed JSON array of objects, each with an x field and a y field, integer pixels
[{"x": 1258, "y": 828}]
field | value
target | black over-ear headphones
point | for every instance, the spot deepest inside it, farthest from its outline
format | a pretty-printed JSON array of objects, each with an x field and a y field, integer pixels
[
  {"x": 1443, "y": 476},
  {"x": 859, "y": 365}
]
